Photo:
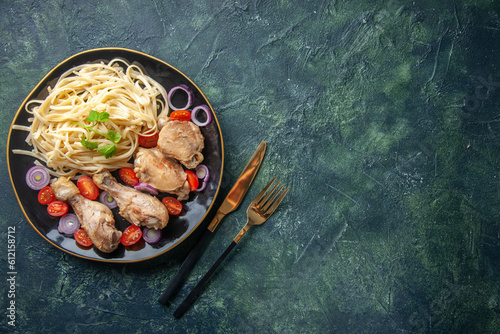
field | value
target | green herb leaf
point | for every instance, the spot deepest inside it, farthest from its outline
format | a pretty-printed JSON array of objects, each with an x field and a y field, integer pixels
[
  {"x": 107, "y": 150},
  {"x": 103, "y": 117},
  {"x": 91, "y": 145},
  {"x": 96, "y": 116},
  {"x": 114, "y": 136},
  {"x": 93, "y": 116}
]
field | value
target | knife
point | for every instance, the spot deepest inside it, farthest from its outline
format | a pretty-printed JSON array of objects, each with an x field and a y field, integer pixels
[{"x": 231, "y": 202}]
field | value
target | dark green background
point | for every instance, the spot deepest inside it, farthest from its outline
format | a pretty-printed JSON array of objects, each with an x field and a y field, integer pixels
[{"x": 383, "y": 117}]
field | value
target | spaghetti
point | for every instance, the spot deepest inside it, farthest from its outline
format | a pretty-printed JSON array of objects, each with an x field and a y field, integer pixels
[{"x": 133, "y": 101}]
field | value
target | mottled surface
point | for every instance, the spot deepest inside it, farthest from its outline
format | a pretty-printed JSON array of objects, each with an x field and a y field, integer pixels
[{"x": 383, "y": 117}]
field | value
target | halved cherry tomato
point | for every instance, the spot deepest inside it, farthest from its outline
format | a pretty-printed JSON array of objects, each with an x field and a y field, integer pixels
[
  {"x": 57, "y": 208},
  {"x": 174, "y": 207},
  {"x": 46, "y": 195},
  {"x": 82, "y": 238},
  {"x": 131, "y": 235},
  {"x": 128, "y": 176},
  {"x": 180, "y": 115},
  {"x": 149, "y": 141},
  {"x": 192, "y": 180},
  {"x": 87, "y": 187}
]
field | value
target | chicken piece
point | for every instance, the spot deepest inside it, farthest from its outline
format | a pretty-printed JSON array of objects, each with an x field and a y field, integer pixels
[
  {"x": 164, "y": 174},
  {"x": 95, "y": 217},
  {"x": 183, "y": 141},
  {"x": 138, "y": 208}
]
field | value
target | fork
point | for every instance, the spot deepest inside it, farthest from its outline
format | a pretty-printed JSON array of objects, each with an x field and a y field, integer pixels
[{"x": 259, "y": 211}]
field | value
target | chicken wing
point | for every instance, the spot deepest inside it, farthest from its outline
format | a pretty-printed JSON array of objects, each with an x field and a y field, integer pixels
[
  {"x": 138, "y": 208},
  {"x": 183, "y": 141},
  {"x": 96, "y": 218},
  {"x": 164, "y": 174}
]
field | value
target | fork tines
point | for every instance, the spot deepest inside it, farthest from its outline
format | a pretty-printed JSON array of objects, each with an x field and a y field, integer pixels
[{"x": 268, "y": 203}]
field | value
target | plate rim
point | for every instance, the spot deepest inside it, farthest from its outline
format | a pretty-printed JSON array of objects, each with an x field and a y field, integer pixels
[{"x": 44, "y": 80}]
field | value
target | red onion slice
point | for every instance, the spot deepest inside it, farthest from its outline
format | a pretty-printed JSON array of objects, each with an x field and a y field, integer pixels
[
  {"x": 202, "y": 172},
  {"x": 195, "y": 117},
  {"x": 107, "y": 200},
  {"x": 37, "y": 177},
  {"x": 68, "y": 224},
  {"x": 151, "y": 236},
  {"x": 187, "y": 91},
  {"x": 146, "y": 188},
  {"x": 202, "y": 186}
]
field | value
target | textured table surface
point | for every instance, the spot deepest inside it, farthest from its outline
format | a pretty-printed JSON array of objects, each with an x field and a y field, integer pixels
[{"x": 383, "y": 117}]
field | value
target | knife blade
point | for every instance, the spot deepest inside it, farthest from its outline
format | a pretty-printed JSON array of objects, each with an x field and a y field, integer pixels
[{"x": 230, "y": 203}]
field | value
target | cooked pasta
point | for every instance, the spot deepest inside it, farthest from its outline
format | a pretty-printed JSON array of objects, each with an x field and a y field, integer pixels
[{"x": 131, "y": 98}]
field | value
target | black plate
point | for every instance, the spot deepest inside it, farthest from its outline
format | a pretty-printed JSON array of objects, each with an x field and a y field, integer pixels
[{"x": 180, "y": 227}]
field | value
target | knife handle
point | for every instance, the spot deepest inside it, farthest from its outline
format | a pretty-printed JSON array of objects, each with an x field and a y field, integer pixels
[
  {"x": 197, "y": 289},
  {"x": 186, "y": 266}
]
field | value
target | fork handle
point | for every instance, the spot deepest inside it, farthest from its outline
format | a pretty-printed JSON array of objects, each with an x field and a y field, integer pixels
[{"x": 179, "y": 312}]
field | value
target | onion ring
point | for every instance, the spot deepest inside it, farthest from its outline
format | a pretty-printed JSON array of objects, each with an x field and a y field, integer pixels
[
  {"x": 189, "y": 93},
  {"x": 194, "y": 115}
]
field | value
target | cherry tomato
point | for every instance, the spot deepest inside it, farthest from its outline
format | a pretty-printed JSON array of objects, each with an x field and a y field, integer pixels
[
  {"x": 192, "y": 180},
  {"x": 46, "y": 195},
  {"x": 82, "y": 238},
  {"x": 87, "y": 187},
  {"x": 131, "y": 235},
  {"x": 57, "y": 208},
  {"x": 149, "y": 141},
  {"x": 174, "y": 207},
  {"x": 128, "y": 176},
  {"x": 180, "y": 115}
]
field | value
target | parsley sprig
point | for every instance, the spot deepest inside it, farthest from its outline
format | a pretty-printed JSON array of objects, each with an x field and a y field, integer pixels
[{"x": 94, "y": 118}]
